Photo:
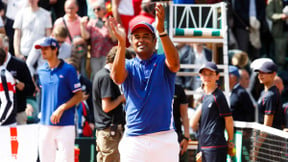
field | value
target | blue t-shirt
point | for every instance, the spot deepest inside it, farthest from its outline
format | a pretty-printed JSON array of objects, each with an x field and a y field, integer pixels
[
  {"x": 212, "y": 122},
  {"x": 57, "y": 87},
  {"x": 149, "y": 90}
]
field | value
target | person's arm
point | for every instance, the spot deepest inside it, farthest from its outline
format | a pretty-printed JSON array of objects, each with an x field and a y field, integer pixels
[
  {"x": 185, "y": 123},
  {"x": 171, "y": 53},
  {"x": 229, "y": 127},
  {"x": 271, "y": 13},
  {"x": 118, "y": 70},
  {"x": 32, "y": 58},
  {"x": 195, "y": 119},
  {"x": 108, "y": 104},
  {"x": 17, "y": 40},
  {"x": 115, "y": 6},
  {"x": 57, "y": 114},
  {"x": 83, "y": 27},
  {"x": 230, "y": 131},
  {"x": 268, "y": 119}
]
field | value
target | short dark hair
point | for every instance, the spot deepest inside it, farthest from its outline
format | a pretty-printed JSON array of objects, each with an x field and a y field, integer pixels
[
  {"x": 54, "y": 48},
  {"x": 112, "y": 53},
  {"x": 2, "y": 56}
]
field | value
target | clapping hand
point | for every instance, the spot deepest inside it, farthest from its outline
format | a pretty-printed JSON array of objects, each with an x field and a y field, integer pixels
[
  {"x": 160, "y": 17},
  {"x": 118, "y": 31}
]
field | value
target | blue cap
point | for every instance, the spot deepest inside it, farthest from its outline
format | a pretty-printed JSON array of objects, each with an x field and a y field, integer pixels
[
  {"x": 210, "y": 66},
  {"x": 267, "y": 67},
  {"x": 234, "y": 71},
  {"x": 47, "y": 42},
  {"x": 142, "y": 24}
]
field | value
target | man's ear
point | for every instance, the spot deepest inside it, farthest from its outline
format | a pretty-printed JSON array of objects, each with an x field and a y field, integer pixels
[{"x": 217, "y": 76}]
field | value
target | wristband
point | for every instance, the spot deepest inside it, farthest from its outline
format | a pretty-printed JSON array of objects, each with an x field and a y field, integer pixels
[
  {"x": 186, "y": 138},
  {"x": 163, "y": 34},
  {"x": 17, "y": 81}
]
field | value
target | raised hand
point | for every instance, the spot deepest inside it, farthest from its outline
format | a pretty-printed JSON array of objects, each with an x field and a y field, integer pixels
[
  {"x": 160, "y": 17},
  {"x": 84, "y": 20},
  {"x": 118, "y": 31}
]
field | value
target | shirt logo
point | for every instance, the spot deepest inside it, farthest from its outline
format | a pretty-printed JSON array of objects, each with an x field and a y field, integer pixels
[
  {"x": 77, "y": 85},
  {"x": 61, "y": 76},
  {"x": 210, "y": 105}
]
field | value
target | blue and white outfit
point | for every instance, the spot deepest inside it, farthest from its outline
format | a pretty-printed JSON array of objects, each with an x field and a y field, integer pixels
[
  {"x": 149, "y": 133},
  {"x": 58, "y": 85}
]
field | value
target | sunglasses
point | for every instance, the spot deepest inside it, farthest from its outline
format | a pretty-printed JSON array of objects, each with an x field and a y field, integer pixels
[
  {"x": 60, "y": 42},
  {"x": 97, "y": 9}
]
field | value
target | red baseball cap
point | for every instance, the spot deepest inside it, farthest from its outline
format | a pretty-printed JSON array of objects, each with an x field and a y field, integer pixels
[{"x": 144, "y": 25}]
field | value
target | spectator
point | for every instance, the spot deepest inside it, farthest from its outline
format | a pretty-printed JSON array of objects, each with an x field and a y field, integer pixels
[
  {"x": 214, "y": 116},
  {"x": 147, "y": 13},
  {"x": 12, "y": 8},
  {"x": 145, "y": 78},
  {"x": 124, "y": 11},
  {"x": 79, "y": 54},
  {"x": 31, "y": 24},
  {"x": 180, "y": 114},
  {"x": 238, "y": 58},
  {"x": 24, "y": 84},
  {"x": 7, "y": 92},
  {"x": 58, "y": 8},
  {"x": 279, "y": 29},
  {"x": 35, "y": 60},
  {"x": 241, "y": 105},
  {"x": 71, "y": 20},
  {"x": 109, "y": 114},
  {"x": 197, "y": 54},
  {"x": 60, "y": 92},
  {"x": 250, "y": 27},
  {"x": 244, "y": 78},
  {"x": 100, "y": 35}
]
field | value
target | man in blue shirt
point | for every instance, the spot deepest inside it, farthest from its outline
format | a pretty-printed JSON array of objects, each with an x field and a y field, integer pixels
[
  {"x": 60, "y": 91},
  {"x": 148, "y": 85}
]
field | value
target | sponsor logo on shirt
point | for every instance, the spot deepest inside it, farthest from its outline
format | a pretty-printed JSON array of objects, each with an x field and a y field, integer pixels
[
  {"x": 210, "y": 105},
  {"x": 77, "y": 85}
]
